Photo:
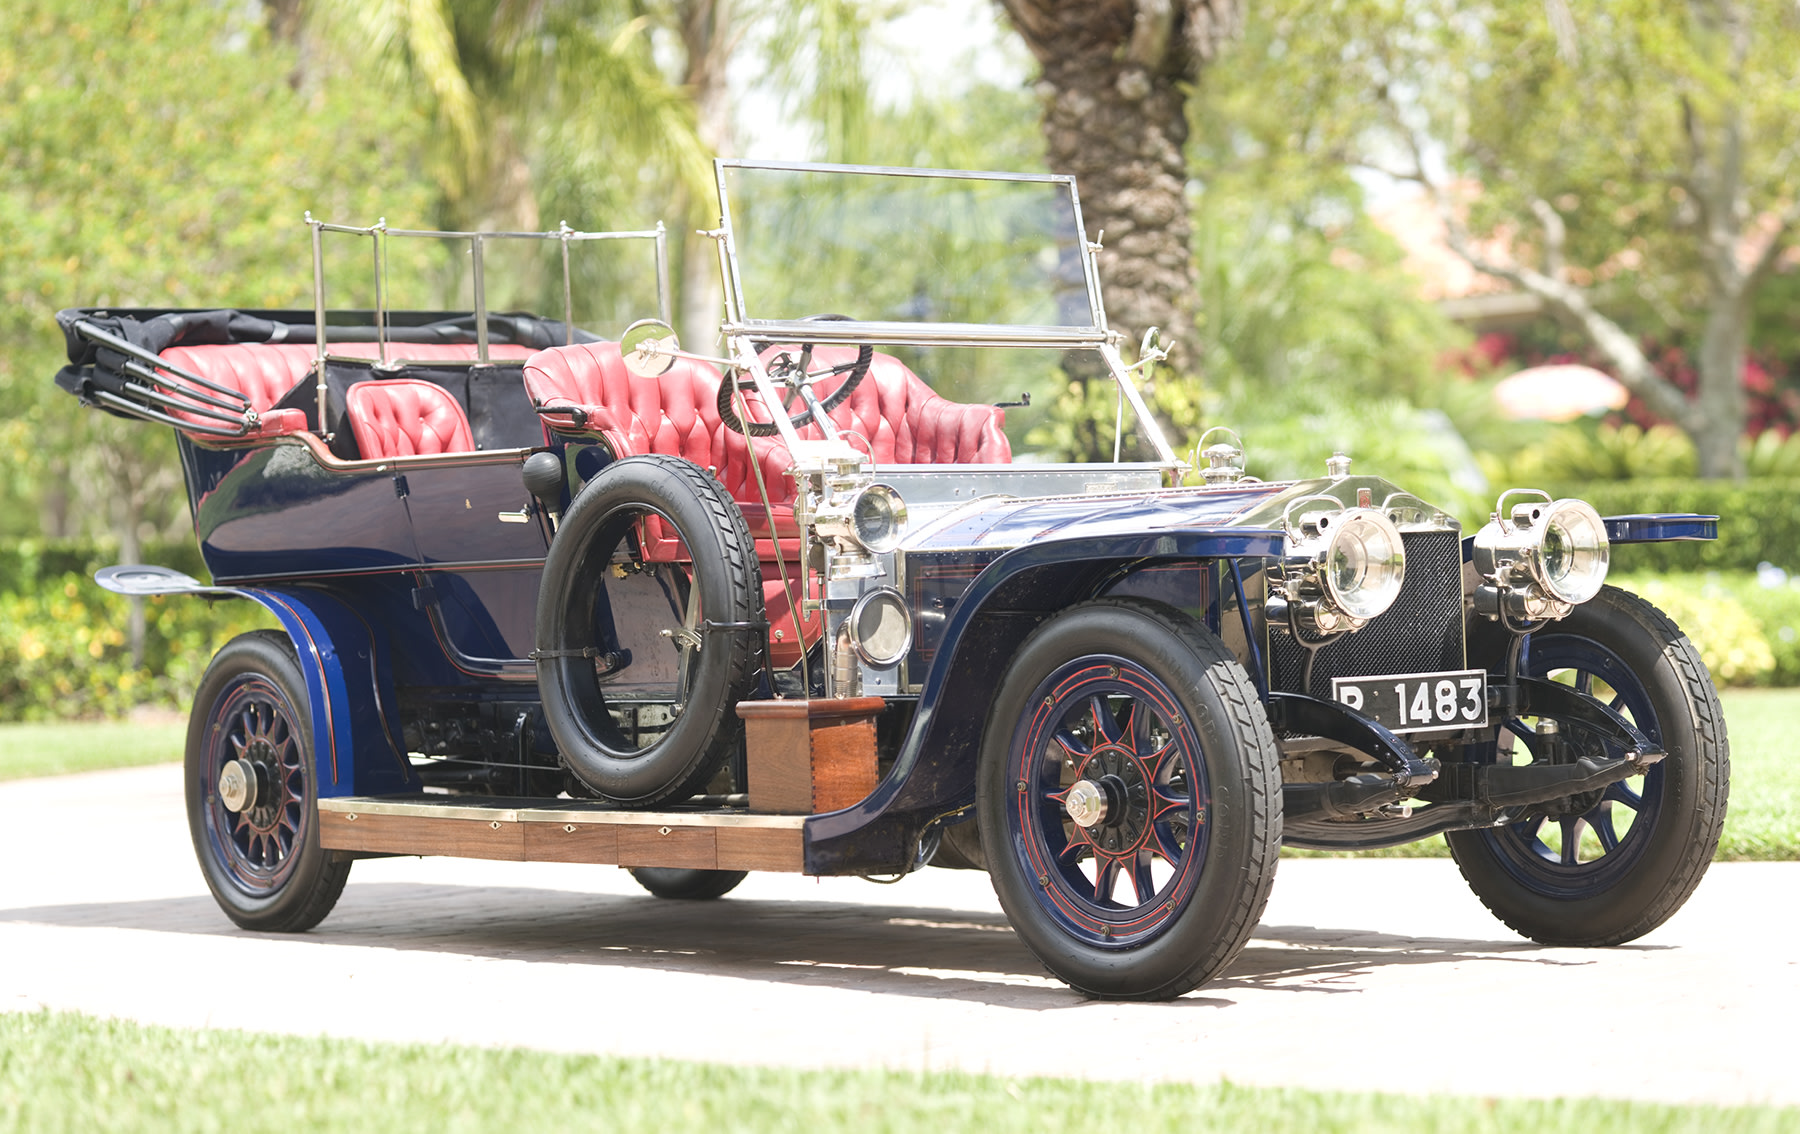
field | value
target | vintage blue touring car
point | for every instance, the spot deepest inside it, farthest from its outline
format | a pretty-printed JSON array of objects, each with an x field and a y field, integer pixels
[{"x": 781, "y": 604}]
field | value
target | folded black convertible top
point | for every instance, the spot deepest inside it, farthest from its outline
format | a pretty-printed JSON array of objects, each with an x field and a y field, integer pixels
[{"x": 156, "y": 329}]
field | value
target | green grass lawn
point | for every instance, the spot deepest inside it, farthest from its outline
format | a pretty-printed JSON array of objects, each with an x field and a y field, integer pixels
[
  {"x": 60, "y": 1071},
  {"x": 52, "y": 749},
  {"x": 1763, "y": 823},
  {"x": 1764, "y": 819}
]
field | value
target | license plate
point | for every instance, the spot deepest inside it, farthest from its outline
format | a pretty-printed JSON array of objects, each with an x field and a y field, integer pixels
[{"x": 1415, "y": 702}]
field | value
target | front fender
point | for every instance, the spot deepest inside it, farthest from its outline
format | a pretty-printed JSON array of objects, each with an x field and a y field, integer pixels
[
  {"x": 1000, "y": 608},
  {"x": 344, "y": 659}
]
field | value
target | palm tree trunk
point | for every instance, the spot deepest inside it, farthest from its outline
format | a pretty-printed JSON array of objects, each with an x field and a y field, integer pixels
[
  {"x": 1115, "y": 77},
  {"x": 706, "y": 34},
  {"x": 1126, "y": 155}
]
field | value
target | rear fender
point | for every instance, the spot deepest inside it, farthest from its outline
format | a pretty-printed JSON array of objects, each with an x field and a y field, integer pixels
[
  {"x": 1008, "y": 600},
  {"x": 344, "y": 659}
]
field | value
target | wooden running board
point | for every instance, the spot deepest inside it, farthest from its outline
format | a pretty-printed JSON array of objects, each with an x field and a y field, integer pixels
[{"x": 519, "y": 830}]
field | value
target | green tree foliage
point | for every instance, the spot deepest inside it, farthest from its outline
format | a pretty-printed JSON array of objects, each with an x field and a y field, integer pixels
[
  {"x": 65, "y": 644},
  {"x": 512, "y": 84},
  {"x": 604, "y": 112},
  {"x": 1629, "y": 164},
  {"x": 1312, "y": 337},
  {"x": 65, "y": 649},
  {"x": 157, "y": 155}
]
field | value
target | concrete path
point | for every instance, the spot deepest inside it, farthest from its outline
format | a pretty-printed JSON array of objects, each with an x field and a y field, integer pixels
[{"x": 1365, "y": 975}]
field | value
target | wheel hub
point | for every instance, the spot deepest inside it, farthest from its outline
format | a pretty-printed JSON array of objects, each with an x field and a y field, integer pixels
[
  {"x": 1110, "y": 803},
  {"x": 245, "y": 783},
  {"x": 1086, "y": 803},
  {"x": 238, "y": 786}
]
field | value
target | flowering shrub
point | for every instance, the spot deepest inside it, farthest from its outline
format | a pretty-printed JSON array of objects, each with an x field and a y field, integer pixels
[{"x": 1746, "y": 628}]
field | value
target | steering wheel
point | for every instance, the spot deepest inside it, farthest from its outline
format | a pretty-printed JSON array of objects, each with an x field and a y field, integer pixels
[{"x": 796, "y": 372}]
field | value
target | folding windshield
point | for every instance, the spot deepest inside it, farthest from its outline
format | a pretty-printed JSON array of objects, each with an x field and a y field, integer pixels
[{"x": 908, "y": 255}]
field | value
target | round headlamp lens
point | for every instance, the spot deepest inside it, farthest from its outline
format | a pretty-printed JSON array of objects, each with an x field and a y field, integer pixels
[
  {"x": 881, "y": 627},
  {"x": 1572, "y": 554},
  {"x": 1364, "y": 564},
  {"x": 879, "y": 518}
]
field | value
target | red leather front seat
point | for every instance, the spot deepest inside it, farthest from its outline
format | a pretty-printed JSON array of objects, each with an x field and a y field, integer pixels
[
  {"x": 894, "y": 413},
  {"x": 403, "y": 417},
  {"x": 901, "y": 419}
]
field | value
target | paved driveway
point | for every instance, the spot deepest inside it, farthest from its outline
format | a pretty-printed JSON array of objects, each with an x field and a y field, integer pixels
[{"x": 1378, "y": 975}]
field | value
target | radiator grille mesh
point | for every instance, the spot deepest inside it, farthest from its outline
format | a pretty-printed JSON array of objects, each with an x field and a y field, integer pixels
[{"x": 1421, "y": 633}]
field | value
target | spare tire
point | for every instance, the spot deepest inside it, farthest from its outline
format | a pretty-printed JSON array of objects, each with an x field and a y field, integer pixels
[{"x": 640, "y": 685}]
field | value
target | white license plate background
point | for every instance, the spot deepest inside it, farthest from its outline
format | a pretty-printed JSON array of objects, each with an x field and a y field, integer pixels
[{"x": 1418, "y": 702}]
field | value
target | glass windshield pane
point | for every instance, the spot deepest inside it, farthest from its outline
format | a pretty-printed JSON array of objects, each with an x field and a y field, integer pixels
[{"x": 885, "y": 247}]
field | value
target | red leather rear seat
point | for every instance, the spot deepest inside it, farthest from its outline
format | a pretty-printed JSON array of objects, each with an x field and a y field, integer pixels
[
  {"x": 404, "y": 417},
  {"x": 262, "y": 372},
  {"x": 265, "y": 372}
]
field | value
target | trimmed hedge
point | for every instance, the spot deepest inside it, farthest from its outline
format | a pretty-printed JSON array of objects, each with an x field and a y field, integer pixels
[
  {"x": 1777, "y": 612},
  {"x": 1759, "y": 521}
]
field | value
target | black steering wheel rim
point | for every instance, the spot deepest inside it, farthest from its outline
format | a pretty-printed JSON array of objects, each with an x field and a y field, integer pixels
[{"x": 853, "y": 375}]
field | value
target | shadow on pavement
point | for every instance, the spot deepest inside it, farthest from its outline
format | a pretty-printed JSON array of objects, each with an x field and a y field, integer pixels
[
  {"x": 1304, "y": 958},
  {"x": 894, "y": 950}
]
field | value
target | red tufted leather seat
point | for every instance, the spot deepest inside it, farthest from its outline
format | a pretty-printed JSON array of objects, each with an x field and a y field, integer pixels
[
  {"x": 403, "y": 417},
  {"x": 907, "y": 422},
  {"x": 264, "y": 372},
  {"x": 902, "y": 419}
]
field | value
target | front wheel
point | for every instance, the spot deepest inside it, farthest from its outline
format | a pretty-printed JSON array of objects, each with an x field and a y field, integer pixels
[
  {"x": 253, "y": 792},
  {"x": 1128, "y": 798},
  {"x": 1612, "y": 865}
]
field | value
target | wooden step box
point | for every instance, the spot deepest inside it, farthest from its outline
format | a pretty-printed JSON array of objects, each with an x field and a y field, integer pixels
[{"x": 808, "y": 756}]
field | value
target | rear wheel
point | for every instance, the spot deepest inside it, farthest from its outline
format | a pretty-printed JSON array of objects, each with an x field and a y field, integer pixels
[
  {"x": 687, "y": 885},
  {"x": 1610, "y": 866},
  {"x": 253, "y": 792},
  {"x": 1127, "y": 800}
]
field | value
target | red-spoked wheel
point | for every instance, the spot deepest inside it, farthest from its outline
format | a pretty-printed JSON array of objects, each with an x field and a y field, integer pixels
[{"x": 1128, "y": 802}]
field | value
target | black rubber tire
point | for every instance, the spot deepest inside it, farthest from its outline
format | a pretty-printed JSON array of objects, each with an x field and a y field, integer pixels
[
  {"x": 1218, "y": 911},
  {"x": 255, "y": 679},
  {"x": 1600, "y": 903},
  {"x": 687, "y": 885},
  {"x": 729, "y": 582}
]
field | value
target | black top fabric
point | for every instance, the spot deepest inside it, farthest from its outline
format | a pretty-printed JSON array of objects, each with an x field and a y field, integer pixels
[
  {"x": 500, "y": 412},
  {"x": 155, "y": 329}
]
